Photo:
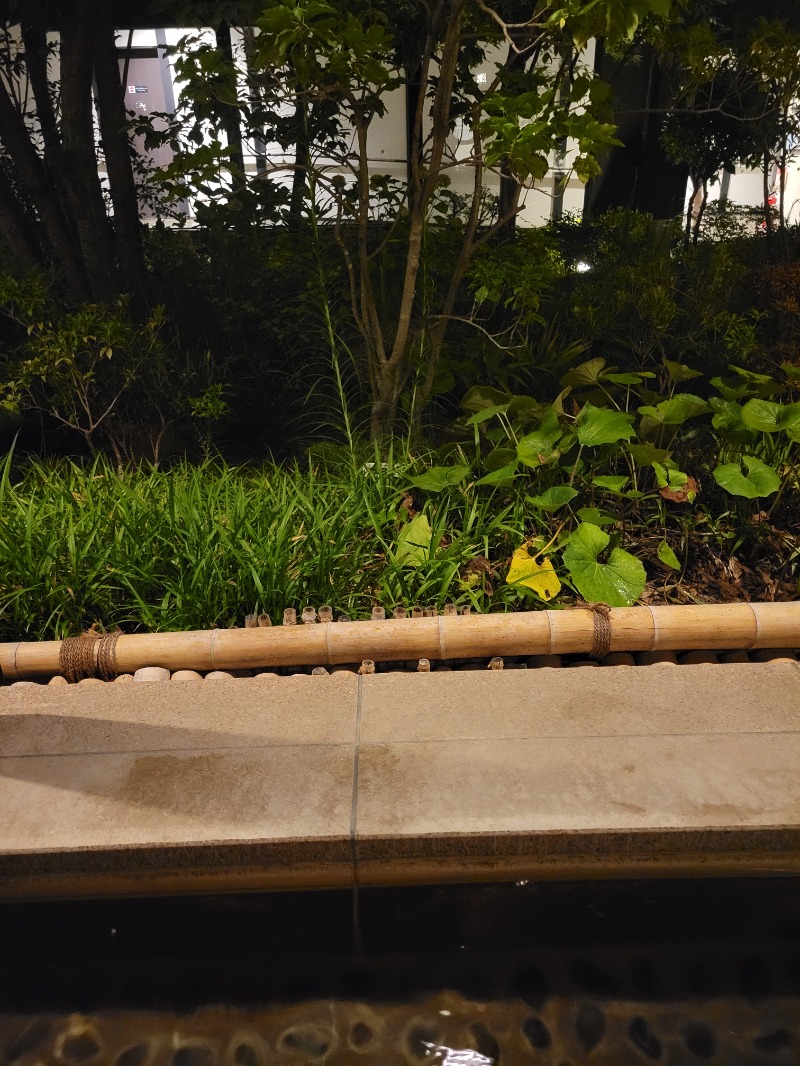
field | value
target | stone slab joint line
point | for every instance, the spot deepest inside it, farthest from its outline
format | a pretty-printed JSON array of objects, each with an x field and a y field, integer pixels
[{"x": 354, "y": 799}]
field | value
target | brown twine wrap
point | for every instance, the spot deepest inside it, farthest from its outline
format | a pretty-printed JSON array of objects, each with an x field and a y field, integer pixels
[
  {"x": 89, "y": 655},
  {"x": 601, "y": 617},
  {"x": 107, "y": 656}
]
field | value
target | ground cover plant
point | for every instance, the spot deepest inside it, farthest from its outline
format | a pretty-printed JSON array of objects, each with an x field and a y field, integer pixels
[{"x": 201, "y": 545}]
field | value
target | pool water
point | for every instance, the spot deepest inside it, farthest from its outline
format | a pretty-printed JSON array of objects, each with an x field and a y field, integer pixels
[{"x": 472, "y": 975}]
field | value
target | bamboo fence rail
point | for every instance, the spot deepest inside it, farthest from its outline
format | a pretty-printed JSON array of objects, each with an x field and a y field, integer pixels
[{"x": 579, "y": 630}]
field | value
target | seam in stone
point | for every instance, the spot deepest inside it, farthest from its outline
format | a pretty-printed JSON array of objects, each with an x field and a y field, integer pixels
[
  {"x": 354, "y": 800},
  {"x": 585, "y": 736},
  {"x": 173, "y": 751}
]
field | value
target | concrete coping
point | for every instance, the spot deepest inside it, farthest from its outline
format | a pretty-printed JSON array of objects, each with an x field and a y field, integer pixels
[{"x": 388, "y": 778}]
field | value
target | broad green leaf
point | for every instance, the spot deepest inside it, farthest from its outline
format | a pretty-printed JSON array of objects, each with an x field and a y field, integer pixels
[
  {"x": 613, "y": 484},
  {"x": 679, "y": 372},
  {"x": 596, "y": 517},
  {"x": 600, "y": 425},
  {"x": 645, "y": 454},
  {"x": 728, "y": 416},
  {"x": 730, "y": 388},
  {"x": 619, "y": 582},
  {"x": 480, "y": 396},
  {"x": 628, "y": 378},
  {"x": 500, "y": 476},
  {"x": 414, "y": 542},
  {"x": 535, "y": 449},
  {"x": 753, "y": 377},
  {"x": 771, "y": 417},
  {"x": 440, "y": 477},
  {"x": 588, "y": 373},
  {"x": 553, "y": 498},
  {"x": 750, "y": 384},
  {"x": 486, "y": 412},
  {"x": 669, "y": 477},
  {"x": 526, "y": 407},
  {"x": 526, "y": 571},
  {"x": 500, "y": 457},
  {"x": 760, "y": 479},
  {"x": 668, "y": 556},
  {"x": 676, "y": 411}
]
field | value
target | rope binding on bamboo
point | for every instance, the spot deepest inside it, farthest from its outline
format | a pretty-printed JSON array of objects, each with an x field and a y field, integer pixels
[
  {"x": 601, "y": 619},
  {"x": 89, "y": 655}
]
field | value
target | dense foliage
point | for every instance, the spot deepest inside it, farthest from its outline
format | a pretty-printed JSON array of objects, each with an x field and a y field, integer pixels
[{"x": 605, "y": 407}]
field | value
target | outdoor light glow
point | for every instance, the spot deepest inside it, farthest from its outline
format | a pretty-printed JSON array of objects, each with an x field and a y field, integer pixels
[
  {"x": 582, "y": 267},
  {"x": 480, "y": 78}
]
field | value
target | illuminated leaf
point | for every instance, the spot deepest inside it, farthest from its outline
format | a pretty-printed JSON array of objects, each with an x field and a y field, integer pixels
[
  {"x": 599, "y": 425},
  {"x": 668, "y": 556},
  {"x": 760, "y": 479},
  {"x": 541, "y": 578},
  {"x": 619, "y": 582},
  {"x": 554, "y": 497},
  {"x": 414, "y": 542},
  {"x": 440, "y": 477}
]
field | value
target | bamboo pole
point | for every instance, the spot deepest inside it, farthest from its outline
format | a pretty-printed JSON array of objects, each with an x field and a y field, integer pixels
[{"x": 678, "y": 628}]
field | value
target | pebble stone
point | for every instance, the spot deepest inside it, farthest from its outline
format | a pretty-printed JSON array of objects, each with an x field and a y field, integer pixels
[{"x": 151, "y": 674}]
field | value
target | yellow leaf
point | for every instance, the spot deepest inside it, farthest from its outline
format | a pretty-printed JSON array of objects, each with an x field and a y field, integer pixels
[{"x": 540, "y": 577}]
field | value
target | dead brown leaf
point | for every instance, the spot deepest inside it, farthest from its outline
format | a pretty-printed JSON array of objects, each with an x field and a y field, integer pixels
[
  {"x": 683, "y": 494},
  {"x": 407, "y": 505},
  {"x": 478, "y": 564}
]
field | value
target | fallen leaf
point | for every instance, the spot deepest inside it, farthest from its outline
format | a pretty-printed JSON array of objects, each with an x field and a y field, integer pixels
[
  {"x": 541, "y": 578},
  {"x": 478, "y": 564},
  {"x": 407, "y": 505},
  {"x": 685, "y": 494}
]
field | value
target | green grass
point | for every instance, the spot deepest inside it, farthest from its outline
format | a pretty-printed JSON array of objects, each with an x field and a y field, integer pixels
[
  {"x": 202, "y": 545},
  {"x": 195, "y": 546}
]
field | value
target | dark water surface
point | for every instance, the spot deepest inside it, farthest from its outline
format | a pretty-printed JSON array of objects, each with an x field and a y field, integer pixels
[{"x": 684, "y": 971}]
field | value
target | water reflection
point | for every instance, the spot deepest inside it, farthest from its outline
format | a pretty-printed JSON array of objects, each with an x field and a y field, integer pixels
[{"x": 448, "y": 1056}]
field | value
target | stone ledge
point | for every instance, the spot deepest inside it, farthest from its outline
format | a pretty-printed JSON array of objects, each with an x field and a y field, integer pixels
[{"x": 389, "y": 779}]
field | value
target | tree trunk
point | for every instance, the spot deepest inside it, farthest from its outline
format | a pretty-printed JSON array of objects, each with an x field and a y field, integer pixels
[
  {"x": 230, "y": 113},
  {"x": 509, "y": 186},
  {"x": 117, "y": 151},
  {"x": 701, "y": 210},
  {"x": 389, "y": 372},
  {"x": 35, "y": 184},
  {"x": 299, "y": 175},
  {"x": 80, "y": 159},
  {"x": 16, "y": 229},
  {"x": 383, "y": 412}
]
